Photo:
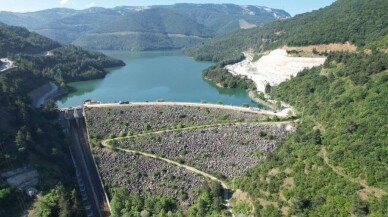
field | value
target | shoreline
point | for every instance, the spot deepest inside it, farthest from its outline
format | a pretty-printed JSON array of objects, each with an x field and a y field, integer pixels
[
  {"x": 251, "y": 95},
  {"x": 267, "y": 104},
  {"x": 286, "y": 110},
  {"x": 217, "y": 84},
  {"x": 43, "y": 98},
  {"x": 40, "y": 95}
]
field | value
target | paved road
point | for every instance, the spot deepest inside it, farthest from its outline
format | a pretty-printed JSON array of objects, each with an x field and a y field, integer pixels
[{"x": 79, "y": 146}]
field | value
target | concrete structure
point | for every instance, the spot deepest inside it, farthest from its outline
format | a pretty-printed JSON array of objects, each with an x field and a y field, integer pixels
[
  {"x": 93, "y": 194},
  {"x": 23, "y": 178}
]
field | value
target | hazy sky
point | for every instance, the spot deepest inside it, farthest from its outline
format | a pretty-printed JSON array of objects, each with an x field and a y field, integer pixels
[{"x": 291, "y": 6}]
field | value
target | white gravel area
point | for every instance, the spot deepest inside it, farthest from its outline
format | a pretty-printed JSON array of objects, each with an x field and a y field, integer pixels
[{"x": 273, "y": 68}]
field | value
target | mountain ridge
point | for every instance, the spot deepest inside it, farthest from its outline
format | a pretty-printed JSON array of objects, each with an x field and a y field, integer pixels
[
  {"x": 364, "y": 22},
  {"x": 79, "y": 27}
]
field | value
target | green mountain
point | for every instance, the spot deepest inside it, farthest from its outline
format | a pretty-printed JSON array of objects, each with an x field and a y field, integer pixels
[
  {"x": 20, "y": 40},
  {"x": 142, "y": 28},
  {"x": 156, "y": 28},
  {"x": 336, "y": 162},
  {"x": 29, "y": 135},
  {"x": 359, "y": 22}
]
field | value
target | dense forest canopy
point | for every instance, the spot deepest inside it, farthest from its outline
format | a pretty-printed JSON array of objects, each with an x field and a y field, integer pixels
[
  {"x": 29, "y": 135},
  {"x": 69, "y": 63},
  {"x": 341, "y": 140},
  {"x": 209, "y": 203},
  {"x": 19, "y": 40},
  {"x": 344, "y": 113}
]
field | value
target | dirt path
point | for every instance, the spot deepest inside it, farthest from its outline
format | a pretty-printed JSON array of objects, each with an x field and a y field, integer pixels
[
  {"x": 192, "y": 169},
  {"x": 377, "y": 192},
  {"x": 196, "y": 127}
]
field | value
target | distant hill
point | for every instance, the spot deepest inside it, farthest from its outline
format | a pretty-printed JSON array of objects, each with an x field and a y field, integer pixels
[{"x": 142, "y": 28}]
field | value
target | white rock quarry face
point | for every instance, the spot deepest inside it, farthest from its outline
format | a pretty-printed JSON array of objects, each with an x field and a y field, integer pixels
[{"x": 274, "y": 68}]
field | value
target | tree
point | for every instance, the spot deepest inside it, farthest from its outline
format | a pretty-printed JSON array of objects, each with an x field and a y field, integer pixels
[
  {"x": 23, "y": 139},
  {"x": 267, "y": 88},
  {"x": 50, "y": 110},
  {"x": 359, "y": 207},
  {"x": 145, "y": 213},
  {"x": 63, "y": 202},
  {"x": 278, "y": 104},
  {"x": 317, "y": 137}
]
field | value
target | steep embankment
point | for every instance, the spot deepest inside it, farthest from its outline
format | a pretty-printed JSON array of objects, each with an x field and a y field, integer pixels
[{"x": 213, "y": 141}]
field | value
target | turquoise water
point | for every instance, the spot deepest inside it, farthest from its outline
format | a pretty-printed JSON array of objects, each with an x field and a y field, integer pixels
[{"x": 149, "y": 76}]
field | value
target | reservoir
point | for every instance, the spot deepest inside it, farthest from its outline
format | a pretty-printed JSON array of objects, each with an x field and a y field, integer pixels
[{"x": 151, "y": 76}]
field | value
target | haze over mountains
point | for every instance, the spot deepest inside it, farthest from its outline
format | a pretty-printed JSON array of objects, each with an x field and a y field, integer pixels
[{"x": 142, "y": 28}]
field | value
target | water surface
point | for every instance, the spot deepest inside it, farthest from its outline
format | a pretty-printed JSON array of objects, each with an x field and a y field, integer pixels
[{"x": 150, "y": 76}]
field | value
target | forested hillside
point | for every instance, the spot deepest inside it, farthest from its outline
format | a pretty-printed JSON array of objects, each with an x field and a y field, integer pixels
[
  {"x": 152, "y": 29},
  {"x": 142, "y": 28},
  {"x": 344, "y": 122},
  {"x": 336, "y": 162},
  {"x": 356, "y": 21},
  {"x": 19, "y": 40},
  {"x": 69, "y": 63},
  {"x": 29, "y": 135}
]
